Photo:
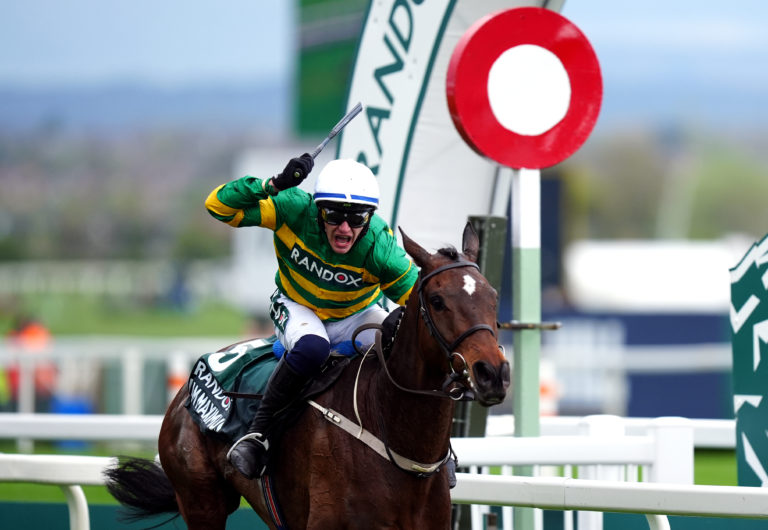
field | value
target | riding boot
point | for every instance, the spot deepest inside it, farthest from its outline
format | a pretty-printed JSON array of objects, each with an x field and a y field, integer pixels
[{"x": 248, "y": 454}]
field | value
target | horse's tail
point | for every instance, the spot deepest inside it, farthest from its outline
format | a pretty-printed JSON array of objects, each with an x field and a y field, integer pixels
[{"x": 143, "y": 487}]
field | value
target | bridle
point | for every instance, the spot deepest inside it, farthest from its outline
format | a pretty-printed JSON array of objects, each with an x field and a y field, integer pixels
[
  {"x": 454, "y": 376},
  {"x": 460, "y": 391},
  {"x": 457, "y": 384}
]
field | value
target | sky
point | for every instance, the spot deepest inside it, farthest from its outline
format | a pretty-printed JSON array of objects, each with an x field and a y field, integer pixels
[
  {"x": 687, "y": 59},
  {"x": 159, "y": 42},
  {"x": 682, "y": 58}
]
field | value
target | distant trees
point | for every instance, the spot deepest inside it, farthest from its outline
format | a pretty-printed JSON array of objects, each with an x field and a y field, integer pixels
[
  {"x": 113, "y": 196},
  {"x": 66, "y": 195},
  {"x": 653, "y": 184}
]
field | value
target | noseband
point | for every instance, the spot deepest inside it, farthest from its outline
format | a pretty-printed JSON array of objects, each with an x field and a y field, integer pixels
[{"x": 455, "y": 392}]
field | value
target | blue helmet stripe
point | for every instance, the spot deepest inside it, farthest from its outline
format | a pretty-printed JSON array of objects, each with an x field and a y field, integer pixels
[
  {"x": 374, "y": 200},
  {"x": 330, "y": 196},
  {"x": 323, "y": 195}
]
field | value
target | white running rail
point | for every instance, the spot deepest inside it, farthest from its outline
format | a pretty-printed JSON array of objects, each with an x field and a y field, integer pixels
[
  {"x": 602, "y": 451},
  {"x": 68, "y": 472},
  {"x": 556, "y": 493},
  {"x": 92, "y": 427},
  {"x": 707, "y": 433},
  {"x": 662, "y": 448},
  {"x": 559, "y": 493}
]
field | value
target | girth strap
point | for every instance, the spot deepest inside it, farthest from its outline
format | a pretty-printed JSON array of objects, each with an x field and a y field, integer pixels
[{"x": 365, "y": 436}]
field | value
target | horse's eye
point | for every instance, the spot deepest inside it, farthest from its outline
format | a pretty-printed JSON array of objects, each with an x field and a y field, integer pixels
[{"x": 436, "y": 301}]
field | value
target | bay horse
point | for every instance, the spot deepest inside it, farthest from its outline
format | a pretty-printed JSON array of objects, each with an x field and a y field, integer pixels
[{"x": 324, "y": 477}]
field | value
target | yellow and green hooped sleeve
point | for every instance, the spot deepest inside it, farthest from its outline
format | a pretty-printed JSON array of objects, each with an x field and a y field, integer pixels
[{"x": 242, "y": 202}]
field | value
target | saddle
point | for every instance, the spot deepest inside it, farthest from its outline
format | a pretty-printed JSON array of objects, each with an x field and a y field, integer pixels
[{"x": 225, "y": 388}]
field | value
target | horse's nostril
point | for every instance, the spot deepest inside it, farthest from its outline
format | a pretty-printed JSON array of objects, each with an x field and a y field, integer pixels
[
  {"x": 491, "y": 382},
  {"x": 485, "y": 374},
  {"x": 505, "y": 374},
  {"x": 489, "y": 378}
]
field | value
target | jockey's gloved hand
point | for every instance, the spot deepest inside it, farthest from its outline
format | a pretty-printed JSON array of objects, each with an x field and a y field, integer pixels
[{"x": 295, "y": 172}]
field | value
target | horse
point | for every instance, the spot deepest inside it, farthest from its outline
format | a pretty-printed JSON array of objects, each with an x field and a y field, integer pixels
[{"x": 388, "y": 469}]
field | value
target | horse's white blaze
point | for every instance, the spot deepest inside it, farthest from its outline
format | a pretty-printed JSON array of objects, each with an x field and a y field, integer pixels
[{"x": 469, "y": 284}]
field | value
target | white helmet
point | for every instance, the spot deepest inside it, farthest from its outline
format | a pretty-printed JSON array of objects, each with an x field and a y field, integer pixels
[{"x": 347, "y": 181}]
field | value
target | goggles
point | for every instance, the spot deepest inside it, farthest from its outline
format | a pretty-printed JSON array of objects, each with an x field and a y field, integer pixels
[{"x": 337, "y": 217}]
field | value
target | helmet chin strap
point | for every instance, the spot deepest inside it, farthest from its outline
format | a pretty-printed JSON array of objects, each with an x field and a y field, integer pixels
[{"x": 362, "y": 233}]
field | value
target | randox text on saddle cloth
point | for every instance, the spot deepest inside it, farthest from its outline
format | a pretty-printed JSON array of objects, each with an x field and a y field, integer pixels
[{"x": 207, "y": 397}]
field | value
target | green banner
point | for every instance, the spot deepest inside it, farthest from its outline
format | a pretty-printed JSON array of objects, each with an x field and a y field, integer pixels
[{"x": 749, "y": 335}]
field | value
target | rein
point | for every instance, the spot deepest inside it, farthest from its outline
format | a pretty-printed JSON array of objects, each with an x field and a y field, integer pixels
[
  {"x": 457, "y": 393},
  {"x": 379, "y": 351},
  {"x": 381, "y": 446}
]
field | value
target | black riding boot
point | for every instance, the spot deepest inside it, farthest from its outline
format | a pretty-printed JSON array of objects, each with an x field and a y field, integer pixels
[{"x": 248, "y": 454}]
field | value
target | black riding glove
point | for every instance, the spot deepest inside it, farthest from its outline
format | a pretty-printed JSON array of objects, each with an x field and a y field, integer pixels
[{"x": 294, "y": 173}]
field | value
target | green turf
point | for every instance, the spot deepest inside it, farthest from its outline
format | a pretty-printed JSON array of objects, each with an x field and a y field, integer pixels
[
  {"x": 103, "y": 315},
  {"x": 715, "y": 467}
]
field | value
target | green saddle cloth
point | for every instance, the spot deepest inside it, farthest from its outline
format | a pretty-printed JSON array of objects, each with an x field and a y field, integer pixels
[{"x": 243, "y": 368}]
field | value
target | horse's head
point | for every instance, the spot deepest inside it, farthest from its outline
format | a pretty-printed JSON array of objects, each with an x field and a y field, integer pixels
[{"x": 458, "y": 307}]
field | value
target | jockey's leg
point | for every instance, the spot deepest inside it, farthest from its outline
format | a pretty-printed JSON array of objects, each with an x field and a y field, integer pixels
[
  {"x": 342, "y": 330},
  {"x": 299, "y": 365}
]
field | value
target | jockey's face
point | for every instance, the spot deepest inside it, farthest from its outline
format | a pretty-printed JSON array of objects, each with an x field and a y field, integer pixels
[
  {"x": 343, "y": 226},
  {"x": 341, "y": 237}
]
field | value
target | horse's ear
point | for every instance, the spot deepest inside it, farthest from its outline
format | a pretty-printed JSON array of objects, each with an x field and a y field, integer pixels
[
  {"x": 470, "y": 244},
  {"x": 419, "y": 255}
]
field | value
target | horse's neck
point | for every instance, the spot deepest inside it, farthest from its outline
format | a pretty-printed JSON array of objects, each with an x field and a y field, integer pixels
[{"x": 413, "y": 422}]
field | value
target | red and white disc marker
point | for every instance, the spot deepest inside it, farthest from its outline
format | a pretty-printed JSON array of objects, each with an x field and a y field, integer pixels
[{"x": 524, "y": 87}]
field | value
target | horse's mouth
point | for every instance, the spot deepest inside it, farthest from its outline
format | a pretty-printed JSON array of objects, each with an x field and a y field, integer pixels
[{"x": 489, "y": 401}]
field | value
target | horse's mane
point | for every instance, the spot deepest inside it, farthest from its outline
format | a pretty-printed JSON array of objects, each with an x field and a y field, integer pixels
[{"x": 449, "y": 252}]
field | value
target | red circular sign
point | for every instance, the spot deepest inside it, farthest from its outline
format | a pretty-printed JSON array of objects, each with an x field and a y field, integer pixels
[{"x": 467, "y": 86}]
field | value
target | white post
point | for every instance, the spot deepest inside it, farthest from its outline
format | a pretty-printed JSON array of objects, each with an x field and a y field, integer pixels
[
  {"x": 178, "y": 371},
  {"x": 26, "y": 395},
  {"x": 526, "y": 294},
  {"x": 79, "y": 518},
  {"x": 133, "y": 377},
  {"x": 598, "y": 426},
  {"x": 673, "y": 461},
  {"x": 657, "y": 522},
  {"x": 602, "y": 426}
]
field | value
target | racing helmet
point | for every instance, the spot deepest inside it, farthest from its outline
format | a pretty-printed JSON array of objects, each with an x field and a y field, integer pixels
[{"x": 348, "y": 183}]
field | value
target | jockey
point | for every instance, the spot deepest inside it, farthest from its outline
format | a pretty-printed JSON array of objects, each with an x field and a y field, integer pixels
[{"x": 335, "y": 259}]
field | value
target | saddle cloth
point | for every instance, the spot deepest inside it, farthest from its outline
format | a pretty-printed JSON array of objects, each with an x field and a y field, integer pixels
[{"x": 245, "y": 368}]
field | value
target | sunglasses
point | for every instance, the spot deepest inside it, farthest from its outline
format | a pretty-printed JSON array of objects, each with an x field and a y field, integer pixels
[{"x": 337, "y": 217}]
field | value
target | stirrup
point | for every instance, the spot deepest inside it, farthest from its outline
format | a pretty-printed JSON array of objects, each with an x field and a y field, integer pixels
[{"x": 257, "y": 436}]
